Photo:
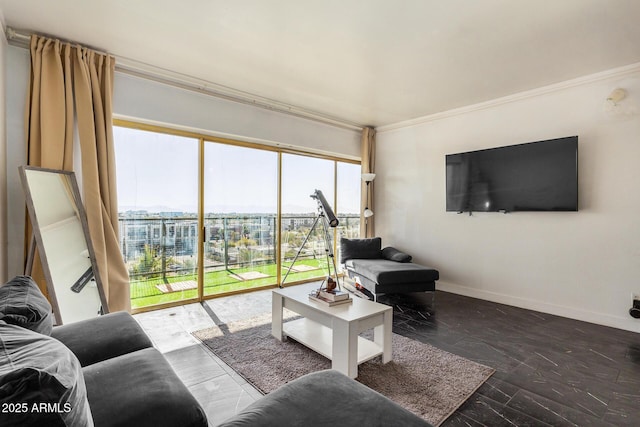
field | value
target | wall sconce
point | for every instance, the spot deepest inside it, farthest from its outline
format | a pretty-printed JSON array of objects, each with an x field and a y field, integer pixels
[
  {"x": 616, "y": 96},
  {"x": 615, "y": 108}
]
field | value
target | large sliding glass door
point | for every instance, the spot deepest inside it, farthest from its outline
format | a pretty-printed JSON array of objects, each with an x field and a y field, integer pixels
[
  {"x": 240, "y": 214},
  {"x": 201, "y": 217},
  {"x": 157, "y": 202},
  {"x": 301, "y": 176}
]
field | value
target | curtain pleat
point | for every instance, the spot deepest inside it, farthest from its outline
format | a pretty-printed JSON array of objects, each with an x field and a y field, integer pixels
[
  {"x": 48, "y": 120},
  {"x": 93, "y": 95},
  {"x": 367, "y": 164},
  {"x": 62, "y": 76}
]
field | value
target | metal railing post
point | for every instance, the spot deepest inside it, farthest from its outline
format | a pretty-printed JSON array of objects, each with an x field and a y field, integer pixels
[
  {"x": 163, "y": 242},
  {"x": 226, "y": 243}
]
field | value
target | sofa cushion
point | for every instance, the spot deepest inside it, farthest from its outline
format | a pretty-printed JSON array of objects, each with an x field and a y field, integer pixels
[
  {"x": 393, "y": 254},
  {"x": 100, "y": 338},
  {"x": 324, "y": 398},
  {"x": 360, "y": 249},
  {"x": 385, "y": 272},
  {"x": 43, "y": 378},
  {"x": 140, "y": 389},
  {"x": 22, "y": 304}
]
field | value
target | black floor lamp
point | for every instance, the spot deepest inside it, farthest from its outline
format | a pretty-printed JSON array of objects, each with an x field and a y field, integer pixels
[{"x": 368, "y": 213}]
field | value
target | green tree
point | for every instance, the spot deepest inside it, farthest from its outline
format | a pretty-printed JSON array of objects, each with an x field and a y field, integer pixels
[{"x": 148, "y": 263}]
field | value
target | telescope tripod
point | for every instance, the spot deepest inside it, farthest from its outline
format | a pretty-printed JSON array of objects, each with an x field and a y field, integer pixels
[{"x": 328, "y": 245}]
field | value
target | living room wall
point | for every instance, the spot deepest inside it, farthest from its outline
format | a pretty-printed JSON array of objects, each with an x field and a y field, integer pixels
[
  {"x": 151, "y": 102},
  {"x": 156, "y": 103},
  {"x": 582, "y": 265}
]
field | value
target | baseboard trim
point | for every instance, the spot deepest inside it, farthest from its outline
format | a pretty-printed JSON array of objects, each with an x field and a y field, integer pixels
[{"x": 543, "y": 307}]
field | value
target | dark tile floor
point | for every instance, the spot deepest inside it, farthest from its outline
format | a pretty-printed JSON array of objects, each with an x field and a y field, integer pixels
[{"x": 549, "y": 370}]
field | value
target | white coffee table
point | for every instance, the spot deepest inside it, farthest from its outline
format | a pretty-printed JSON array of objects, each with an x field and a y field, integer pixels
[{"x": 333, "y": 331}]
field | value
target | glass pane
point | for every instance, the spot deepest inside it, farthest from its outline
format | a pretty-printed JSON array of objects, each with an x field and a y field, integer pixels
[
  {"x": 301, "y": 176},
  {"x": 157, "y": 178},
  {"x": 240, "y": 200},
  {"x": 348, "y": 204}
]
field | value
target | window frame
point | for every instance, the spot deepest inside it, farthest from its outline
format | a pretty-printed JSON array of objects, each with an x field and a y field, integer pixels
[{"x": 202, "y": 140}]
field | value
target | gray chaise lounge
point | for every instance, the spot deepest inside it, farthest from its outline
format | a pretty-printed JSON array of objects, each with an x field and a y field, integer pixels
[{"x": 384, "y": 271}]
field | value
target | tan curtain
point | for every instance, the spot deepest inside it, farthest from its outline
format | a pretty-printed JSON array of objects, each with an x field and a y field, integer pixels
[
  {"x": 368, "y": 161},
  {"x": 48, "y": 117},
  {"x": 62, "y": 74}
]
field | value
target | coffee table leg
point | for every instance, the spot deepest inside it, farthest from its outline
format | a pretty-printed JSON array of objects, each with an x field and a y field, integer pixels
[
  {"x": 382, "y": 336},
  {"x": 276, "y": 316},
  {"x": 344, "y": 356}
]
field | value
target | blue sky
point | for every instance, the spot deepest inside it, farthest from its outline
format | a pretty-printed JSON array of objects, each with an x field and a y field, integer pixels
[{"x": 159, "y": 172}]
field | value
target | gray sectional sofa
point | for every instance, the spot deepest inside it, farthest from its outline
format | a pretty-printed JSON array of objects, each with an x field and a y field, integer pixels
[
  {"x": 325, "y": 398},
  {"x": 105, "y": 372},
  {"x": 102, "y": 371},
  {"x": 384, "y": 270}
]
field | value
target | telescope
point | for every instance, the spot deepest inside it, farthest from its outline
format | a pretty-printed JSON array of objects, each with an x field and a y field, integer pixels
[
  {"x": 326, "y": 208},
  {"x": 325, "y": 213}
]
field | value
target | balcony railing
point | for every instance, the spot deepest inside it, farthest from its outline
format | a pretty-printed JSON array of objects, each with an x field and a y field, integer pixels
[{"x": 160, "y": 252}]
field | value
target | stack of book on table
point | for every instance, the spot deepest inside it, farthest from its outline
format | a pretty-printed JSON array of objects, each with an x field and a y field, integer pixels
[{"x": 330, "y": 298}]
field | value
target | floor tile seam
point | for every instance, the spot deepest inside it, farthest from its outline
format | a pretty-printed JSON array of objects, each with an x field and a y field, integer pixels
[
  {"x": 199, "y": 381},
  {"x": 570, "y": 360},
  {"x": 589, "y": 390},
  {"x": 218, "y": 397},
  {"x": 612, "y": 413},
  {"x": 539, "y": 423},
  {"x": 497, "y": 408},
  {"x": 465, "y": 416},
  {"x": 449, "y": 348},
  {"x": 458, "y": 351},
  {"x": 573, "y": 407},
  {"x": 416, "y": 331},
  {"x": 569, "y": 408}
]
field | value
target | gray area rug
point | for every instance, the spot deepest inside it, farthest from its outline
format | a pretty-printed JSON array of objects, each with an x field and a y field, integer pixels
[{"x": 425, "y": 380}]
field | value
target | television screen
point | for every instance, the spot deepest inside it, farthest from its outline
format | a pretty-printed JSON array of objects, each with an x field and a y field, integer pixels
[{"x": 537, "y": 176}]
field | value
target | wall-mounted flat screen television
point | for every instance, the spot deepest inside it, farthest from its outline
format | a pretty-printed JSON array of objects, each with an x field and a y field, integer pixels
[{"x": 536, "y": 176}]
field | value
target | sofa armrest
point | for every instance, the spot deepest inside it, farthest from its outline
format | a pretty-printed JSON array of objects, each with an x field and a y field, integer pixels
[
  {"x": 393, "y": 254},
  {"x": 140, "y": 389},
  {"x": 326, "y": 398},
  {"x": 101, "y": 338}
]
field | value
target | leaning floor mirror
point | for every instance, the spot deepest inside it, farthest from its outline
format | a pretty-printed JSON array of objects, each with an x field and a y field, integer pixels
[{"x": 62, "y": 238}]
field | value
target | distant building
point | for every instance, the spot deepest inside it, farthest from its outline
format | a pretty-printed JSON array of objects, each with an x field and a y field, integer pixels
[{"x": 174, "y": 234}]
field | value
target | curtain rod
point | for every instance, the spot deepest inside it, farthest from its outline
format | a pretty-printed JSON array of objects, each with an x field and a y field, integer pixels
[{"x": 135, "y": 68}]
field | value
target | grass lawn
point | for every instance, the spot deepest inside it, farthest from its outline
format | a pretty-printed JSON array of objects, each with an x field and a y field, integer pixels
[{"x": 145, "y": 293}]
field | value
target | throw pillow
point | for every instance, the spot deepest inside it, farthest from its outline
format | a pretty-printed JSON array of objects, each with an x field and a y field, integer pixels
[
  {"x": 22, "y": 304},
  {"x": 360, "y": 249},
  {"x": 41, "y": 381},
  {"x": 394, "y": 254}
]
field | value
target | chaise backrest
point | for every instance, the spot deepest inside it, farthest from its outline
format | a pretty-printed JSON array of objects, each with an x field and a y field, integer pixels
[{"x": 370, "y": 248}]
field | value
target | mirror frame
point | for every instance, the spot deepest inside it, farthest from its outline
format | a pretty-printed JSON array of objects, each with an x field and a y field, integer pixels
[{"x": 39, "y": 242}]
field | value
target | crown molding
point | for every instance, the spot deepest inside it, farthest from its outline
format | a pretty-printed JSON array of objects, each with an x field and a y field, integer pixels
[
  {"x": 183, "y": 81},
  {"x": 20, "y": 38},
  {"x": 619, "y": 72}
]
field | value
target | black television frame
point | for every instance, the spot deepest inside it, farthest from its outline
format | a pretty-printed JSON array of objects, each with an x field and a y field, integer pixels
[{"x": 469, "y": 199}]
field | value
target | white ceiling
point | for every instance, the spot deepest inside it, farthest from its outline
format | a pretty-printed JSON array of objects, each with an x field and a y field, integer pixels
[{"x": 370, "y": 62}]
